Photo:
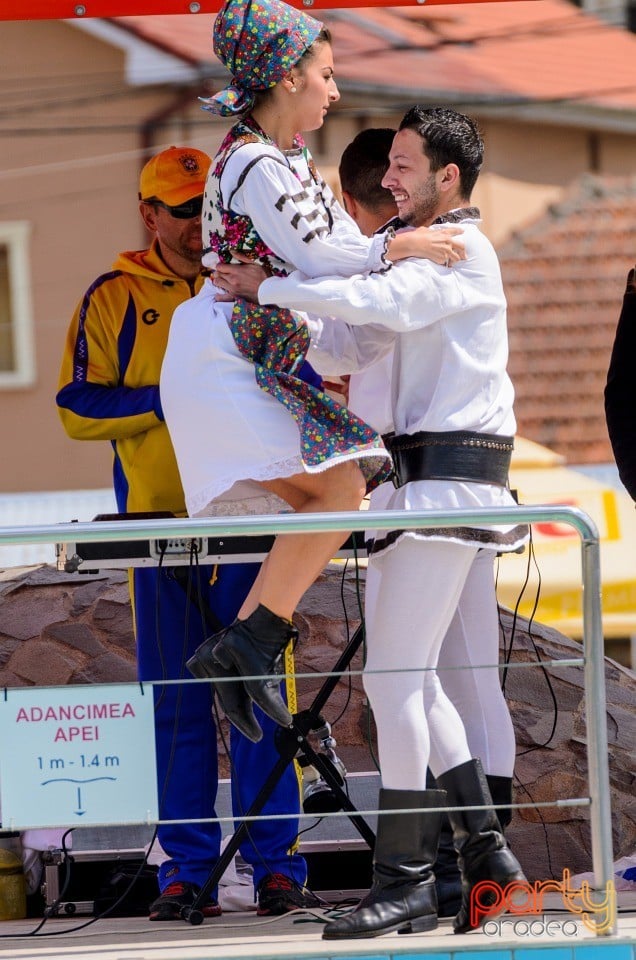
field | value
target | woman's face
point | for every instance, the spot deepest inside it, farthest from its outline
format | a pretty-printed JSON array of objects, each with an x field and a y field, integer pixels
[{"x": 315, "y": 86}]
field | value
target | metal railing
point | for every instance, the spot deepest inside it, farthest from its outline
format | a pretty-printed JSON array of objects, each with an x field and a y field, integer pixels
[{"x": 593, "y": 650}]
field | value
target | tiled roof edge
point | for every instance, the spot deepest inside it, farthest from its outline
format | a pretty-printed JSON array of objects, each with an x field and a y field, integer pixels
[{"x": 586, "y": 188}]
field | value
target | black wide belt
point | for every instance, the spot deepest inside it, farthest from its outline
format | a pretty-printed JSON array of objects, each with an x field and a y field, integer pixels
[{"x": 454, "y": 455}]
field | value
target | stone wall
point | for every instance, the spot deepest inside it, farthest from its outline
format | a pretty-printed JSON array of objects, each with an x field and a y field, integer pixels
[{"x": 58, "y": 628}]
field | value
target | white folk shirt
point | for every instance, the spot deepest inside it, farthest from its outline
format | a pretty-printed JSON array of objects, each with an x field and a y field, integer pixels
[{"x": 448, "y": 330}]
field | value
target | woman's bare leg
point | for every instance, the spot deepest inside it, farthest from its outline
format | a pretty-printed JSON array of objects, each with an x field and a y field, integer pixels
[
  {"x": 253, "y": 646},
  {"x": 297, "y": 559}
]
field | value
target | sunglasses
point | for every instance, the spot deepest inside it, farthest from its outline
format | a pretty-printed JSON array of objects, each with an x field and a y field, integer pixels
[{"x": 183, "y": 211}]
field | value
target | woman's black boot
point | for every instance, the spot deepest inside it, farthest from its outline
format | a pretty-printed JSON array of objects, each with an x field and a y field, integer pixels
[
  {"x": 482, "y": 850},
  {"x": 402, "y": 896},
  {"x": 234, "y": 698},
  {"x": 254, "y": 648}
]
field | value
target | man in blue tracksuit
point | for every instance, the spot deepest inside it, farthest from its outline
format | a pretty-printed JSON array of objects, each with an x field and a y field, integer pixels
[{"x": 108, "y": 390}]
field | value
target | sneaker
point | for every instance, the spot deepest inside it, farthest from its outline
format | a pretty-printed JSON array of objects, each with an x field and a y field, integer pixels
[
  {"x": 278, "y": 894},
  {"x": 177, "y": 895}
]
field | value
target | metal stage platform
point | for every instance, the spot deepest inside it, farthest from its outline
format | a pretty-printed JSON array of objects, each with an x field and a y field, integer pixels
[
  {"x": 243, "y": 935},
  {"x": 554, "y": 935}
]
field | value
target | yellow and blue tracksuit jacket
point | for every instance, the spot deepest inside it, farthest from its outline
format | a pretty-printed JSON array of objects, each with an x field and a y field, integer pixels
[
  {"x": 109, "y": 380},
  {"x": 109, "y": 390}
]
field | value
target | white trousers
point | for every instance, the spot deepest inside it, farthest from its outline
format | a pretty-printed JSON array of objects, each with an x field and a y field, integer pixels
[
  {"x": 472, "y": 640},
  {"x": 429, "y": 602}
]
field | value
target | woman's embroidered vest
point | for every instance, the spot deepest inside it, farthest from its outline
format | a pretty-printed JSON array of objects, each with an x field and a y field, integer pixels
[{"x": 275, "y": 340}]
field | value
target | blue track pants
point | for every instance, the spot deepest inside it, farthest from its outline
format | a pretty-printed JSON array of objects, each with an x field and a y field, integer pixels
[{"x": 169, "y": 627}]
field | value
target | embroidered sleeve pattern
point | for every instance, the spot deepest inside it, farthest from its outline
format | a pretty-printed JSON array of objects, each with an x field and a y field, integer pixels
[{"x": 304, "y": 211}]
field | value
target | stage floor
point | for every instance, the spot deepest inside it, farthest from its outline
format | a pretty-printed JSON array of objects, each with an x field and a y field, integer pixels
[{"x": 299, "y": 936}]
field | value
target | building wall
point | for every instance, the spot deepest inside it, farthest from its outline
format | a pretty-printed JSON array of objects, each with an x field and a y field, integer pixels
[
  {"x": 76, "y": 186},
  {"x": 69, "y": 162}
]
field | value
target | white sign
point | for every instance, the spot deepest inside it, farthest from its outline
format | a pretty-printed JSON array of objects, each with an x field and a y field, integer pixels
[{"x": 77, "y": 755}]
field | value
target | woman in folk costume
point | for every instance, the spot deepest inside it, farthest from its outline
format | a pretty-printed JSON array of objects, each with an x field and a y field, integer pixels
[
  {"x": 452, "y": 412},
  {"x": 250, "y": 435}
]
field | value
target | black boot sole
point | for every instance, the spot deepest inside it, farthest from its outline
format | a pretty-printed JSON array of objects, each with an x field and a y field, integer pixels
[{"x": 416, "y": 925}]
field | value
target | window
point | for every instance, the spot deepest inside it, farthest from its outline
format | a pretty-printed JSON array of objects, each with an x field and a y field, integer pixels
[{"x": 17, "y": 367}]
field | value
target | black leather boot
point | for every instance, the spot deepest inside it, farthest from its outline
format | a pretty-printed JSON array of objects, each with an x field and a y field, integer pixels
[
  {"x": 254, "y": 648},
  {"x": 448, "y": 879},
  {"x": 501, "y": 792},
  {"x": 483, "y": 853},
  {"x": 402, "y": 896},
  {"x": 232, "y": 694}
]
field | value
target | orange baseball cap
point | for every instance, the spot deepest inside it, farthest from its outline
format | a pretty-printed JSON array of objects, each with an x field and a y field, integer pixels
[{"x": 174, "y": 176}]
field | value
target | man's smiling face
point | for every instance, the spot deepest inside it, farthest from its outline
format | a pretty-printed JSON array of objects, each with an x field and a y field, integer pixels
[{"x": 410, "y": 180}]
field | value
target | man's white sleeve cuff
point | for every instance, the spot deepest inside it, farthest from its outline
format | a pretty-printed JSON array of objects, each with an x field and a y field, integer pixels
[{"x": 267, "y": 290}]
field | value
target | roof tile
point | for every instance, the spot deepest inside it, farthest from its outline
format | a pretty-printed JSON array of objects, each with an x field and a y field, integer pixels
[
  {"x": 530, "y": 50},
  {"x": 564, "y": 278}
]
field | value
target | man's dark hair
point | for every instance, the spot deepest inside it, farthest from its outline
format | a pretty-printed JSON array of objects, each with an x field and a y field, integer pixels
[
  {"x": 363, "y": 164},
  {"x": 448, "y": 137}
]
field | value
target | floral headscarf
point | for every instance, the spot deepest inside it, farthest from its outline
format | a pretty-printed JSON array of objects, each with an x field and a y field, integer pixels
[{"x": 259, "y": 41}]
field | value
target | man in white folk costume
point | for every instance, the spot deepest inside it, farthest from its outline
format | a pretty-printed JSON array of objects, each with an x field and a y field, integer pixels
[{"x": 452, "y": 404}]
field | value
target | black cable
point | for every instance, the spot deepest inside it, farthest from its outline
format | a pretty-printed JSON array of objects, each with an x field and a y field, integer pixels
[
  {"x": 532, "y": 559},
  {"x": 164, "y": 674},
  {"x": 33, "y": 103},
  {"x": 236, "y": 799},
  {"x": 515, "y": 615},
  {"x": 161, "y": 570},
  {"x": 368, "y": 711},
  {"x": 546, "y": 675},
  {"x": 50, "y": 911},
  {"x": 347, "y": 635},
  {"x": 539, "y": 812},
  {"x": 164, "y": 671}
]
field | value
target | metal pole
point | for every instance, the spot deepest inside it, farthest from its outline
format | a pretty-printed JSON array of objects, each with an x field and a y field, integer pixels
[{"x": 596, "y": 724}]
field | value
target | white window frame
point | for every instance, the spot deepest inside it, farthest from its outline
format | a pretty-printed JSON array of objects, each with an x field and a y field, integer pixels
[{"x": 15, "y": 236}]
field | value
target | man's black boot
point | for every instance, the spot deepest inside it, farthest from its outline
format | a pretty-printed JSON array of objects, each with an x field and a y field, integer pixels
[
  {"x": 234, "y": 698},
  {"x": 254, "y": 648},
  {"x": 501, "y": 792},
  {"x": 483, "y": 853},
  {"x": 402, "y": 896},
  {"x": 448, "y": 879}
]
